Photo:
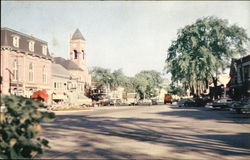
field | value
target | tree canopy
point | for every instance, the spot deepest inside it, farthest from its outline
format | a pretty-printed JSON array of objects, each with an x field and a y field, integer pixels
[
  {"x": 144, "y": 83},
  {"x": 203, "y": 50}
]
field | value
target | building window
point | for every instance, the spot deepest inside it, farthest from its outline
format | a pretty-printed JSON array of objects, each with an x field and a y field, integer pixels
[
  {"x": 44, "y": 75},
  {"x": 31, "y": 46},
  {"x": 75, "y": 54},
  {"x": 16, "y": 41},
  {"x": 31, "y": 72},
  {"x": 44, "y": 50},
  {"x": 54, "y": 84},
  {"x": 15, "y": 70}
]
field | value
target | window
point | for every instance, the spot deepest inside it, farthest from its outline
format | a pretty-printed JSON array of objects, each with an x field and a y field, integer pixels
[
  {"x": 31, "y": 72},
  {"x": 15, "y": 70},
  {"x": 44, "y": 75},
  {"x": 75, "y": 54},
  {"x": 54, "y": 84},
  {"x": 31, "y": 46},
  {"x": 16, "y": 41},
  {"x": 44, "y": 50}
]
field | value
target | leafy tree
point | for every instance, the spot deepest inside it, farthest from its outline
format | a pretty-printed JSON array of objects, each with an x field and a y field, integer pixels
[
  {"x": 103, "y": 77},
  {"x": 146, "y": 83},
  {"x": 203, "y": 50},
  {"x": 20, "y": 126},
  {"x": 176, "y": 90}
]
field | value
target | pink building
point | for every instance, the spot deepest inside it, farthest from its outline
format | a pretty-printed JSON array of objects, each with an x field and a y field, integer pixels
[{"x": 25, "y": 63}]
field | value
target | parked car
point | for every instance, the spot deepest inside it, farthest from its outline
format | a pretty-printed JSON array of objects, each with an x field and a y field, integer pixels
[
  {"x": 168, "y": 99},
  {"x": 242, "y": 106},
  {"x": 154, "y": 101},
  {"x": 224, "y": 103},
  {"x": 106, "y": 102},
  {"x": 186, "y": 103}
]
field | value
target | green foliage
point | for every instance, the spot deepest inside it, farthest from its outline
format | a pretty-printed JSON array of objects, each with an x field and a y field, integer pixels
[
  {"x": 20, "y": 126},
  {"x": 105, "y": 78},
  {"x": 176, "y": 90},
  {"x": 203, "y": 50},
  {"x": 146, "y": 83}
]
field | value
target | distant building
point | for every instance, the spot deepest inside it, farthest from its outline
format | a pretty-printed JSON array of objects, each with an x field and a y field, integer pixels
[
  {"x": 71, "y": 78},
  {"x": 25, "y": 63},
  {"x": 239, "y": 84}
]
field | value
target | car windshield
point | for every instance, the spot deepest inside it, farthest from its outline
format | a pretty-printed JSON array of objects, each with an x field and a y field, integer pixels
[{"x": 182, "y": 100}]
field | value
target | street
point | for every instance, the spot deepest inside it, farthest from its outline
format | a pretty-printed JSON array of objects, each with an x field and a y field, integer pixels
[{"x": 148, "y": 132}]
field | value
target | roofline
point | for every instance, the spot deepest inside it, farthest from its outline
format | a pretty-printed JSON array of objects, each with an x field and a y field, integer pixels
[{"x": 26, "y": 35}]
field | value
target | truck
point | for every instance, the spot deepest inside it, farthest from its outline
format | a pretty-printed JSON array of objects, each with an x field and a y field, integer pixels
[{"x": 168, "y": 99}]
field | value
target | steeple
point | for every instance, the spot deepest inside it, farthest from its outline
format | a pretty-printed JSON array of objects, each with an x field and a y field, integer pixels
[
  {"x": 77, "y": 35},
  {"x": 77, "y": 49}
]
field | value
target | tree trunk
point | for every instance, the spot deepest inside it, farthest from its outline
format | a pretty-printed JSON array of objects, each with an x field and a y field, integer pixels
[{"x": 215, "y": 82}]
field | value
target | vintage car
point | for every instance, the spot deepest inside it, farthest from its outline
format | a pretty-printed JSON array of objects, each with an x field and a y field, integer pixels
[
  {"x": 242, "y": 106},
  {"x": 223, "y": 103},
  {"x": 186, "y": 103},
  {"x": 168, "y": 99}
]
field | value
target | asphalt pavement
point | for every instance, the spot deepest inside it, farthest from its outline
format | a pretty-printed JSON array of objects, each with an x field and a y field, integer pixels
[{"x": 148, "y": 132}]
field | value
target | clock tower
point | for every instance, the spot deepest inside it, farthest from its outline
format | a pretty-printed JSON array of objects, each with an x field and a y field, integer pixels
[{"x": 77, "y": 49}]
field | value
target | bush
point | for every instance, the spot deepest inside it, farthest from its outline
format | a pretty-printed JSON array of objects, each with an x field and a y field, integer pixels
[{"x": 20, "y": 126}]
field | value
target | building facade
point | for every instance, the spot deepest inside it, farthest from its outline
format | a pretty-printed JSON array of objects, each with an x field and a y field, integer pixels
[
  {"x": 77, "y": 80},
  {"x": 239, "y": 84},
  {"x": 25, "y": 63},
  {"x": 26, "y": 66}
]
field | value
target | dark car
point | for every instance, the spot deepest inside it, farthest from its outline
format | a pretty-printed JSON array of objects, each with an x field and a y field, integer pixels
[
  {"x": 224, "y": 103},
  {"x": 242, "y": 106},
  {"x": 186, "y": 103}
]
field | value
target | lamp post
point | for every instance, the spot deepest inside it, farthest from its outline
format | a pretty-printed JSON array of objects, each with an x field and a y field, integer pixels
[{"x": 10, "y": 74}]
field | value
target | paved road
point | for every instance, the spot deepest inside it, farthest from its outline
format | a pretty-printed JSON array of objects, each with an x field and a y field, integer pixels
[{"x": 148, "y": 132}]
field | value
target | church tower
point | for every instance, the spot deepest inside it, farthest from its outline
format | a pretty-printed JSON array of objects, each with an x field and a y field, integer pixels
[{"x": 77, "y": 49}]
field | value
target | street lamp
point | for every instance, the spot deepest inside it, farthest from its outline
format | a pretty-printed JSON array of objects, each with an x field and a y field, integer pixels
[{"x": 10, "y": 74}]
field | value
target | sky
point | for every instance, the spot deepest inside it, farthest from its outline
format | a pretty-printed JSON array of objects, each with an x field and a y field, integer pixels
[{"x": 131, "y": 35}]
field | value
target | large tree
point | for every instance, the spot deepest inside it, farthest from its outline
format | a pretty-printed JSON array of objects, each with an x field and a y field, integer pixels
[
  {"x": 202, "y": 51},
  {"x": 105, "y": 78},
  {"x": 146, "y": 83}
]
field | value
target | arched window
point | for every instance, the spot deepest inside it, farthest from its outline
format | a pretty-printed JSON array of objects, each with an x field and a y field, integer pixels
[
  {"x": 75, "y": 54},
  {"x": 31, "y": 72},
  {"x": 44, "y": 74},
  {"x": 15, "y": 70}
]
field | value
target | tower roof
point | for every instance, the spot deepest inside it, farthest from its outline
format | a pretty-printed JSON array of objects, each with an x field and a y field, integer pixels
[{"x": 77, "y": 35}]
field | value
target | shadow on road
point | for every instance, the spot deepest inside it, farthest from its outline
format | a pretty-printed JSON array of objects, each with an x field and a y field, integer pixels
[
  {"x": 93, "y": 132},
  {"x": 201, "y": 113}
]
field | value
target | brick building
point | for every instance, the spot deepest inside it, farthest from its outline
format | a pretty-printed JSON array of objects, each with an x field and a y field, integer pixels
[{"x": 25, "y": 63}]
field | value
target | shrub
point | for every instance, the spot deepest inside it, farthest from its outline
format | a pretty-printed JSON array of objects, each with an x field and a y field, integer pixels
[{"x": 20, "y": 126}]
